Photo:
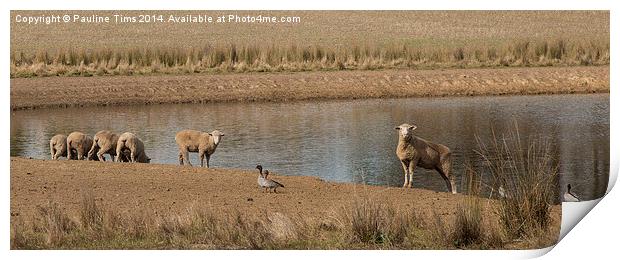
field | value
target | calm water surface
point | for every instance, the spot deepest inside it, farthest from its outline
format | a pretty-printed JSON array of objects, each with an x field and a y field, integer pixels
[{"x": 347, "y": 141}]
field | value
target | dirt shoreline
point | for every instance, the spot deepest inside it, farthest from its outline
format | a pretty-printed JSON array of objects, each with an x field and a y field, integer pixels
[
  {"x": 165, "y": 190},
  {"x": 50, "y": 92}
]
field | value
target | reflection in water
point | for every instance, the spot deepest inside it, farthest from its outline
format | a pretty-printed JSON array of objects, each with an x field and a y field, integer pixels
[{"x": 348, "y": 141}]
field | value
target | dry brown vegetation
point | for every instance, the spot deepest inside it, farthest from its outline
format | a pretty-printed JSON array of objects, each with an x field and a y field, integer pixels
[
  {"x": 366, "y": 224},
  {"x": 233, "y": 58},
  {"x": 345, "y": 41},
  {"x": 527, "y": 171}
]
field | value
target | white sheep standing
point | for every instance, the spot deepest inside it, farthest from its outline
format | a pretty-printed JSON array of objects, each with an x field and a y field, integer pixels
[
  {"x": 414, "y": 151},
  {"x": 104, "y": 142},
  {"x": 58, "y": 146},
  {"x": 129, "y": 141},
  {"x": 195, "y": 141},
  {"x": 79, "y": 143}
]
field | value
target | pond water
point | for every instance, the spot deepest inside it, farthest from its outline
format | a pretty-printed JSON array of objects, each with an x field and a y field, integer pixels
[{"x": 350, "y": 140}]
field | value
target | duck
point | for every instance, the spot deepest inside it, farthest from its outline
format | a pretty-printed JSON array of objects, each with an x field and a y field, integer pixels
[
  {"x": 266, "y": 183},
  {"x": 569, "y": 196}
]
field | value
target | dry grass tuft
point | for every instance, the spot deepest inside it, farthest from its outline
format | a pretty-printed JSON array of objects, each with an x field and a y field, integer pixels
[
  {"x": 55, "y": 223},
  {"x": 528, "y": 174},
  {"x": 91, "y": 217},
  {"x": 373, "y": 223},
  {"x": 468, "y": 221}
]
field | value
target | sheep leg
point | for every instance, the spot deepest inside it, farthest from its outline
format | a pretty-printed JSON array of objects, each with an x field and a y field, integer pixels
[
  {"x": 201, "y": 154},
  {"x": 412, "y": 165},
  {"x": 102, "y": 151},
  {"x": 119, "y": 152},
  {"x": 445, "y": 170},
  {"x": 207, "y": 157},
  {"x": 180, "y": 158},
  {"x": 133, "y": 156},
  {"x": 80, "y": 153},
  {"x": 52, "y": 152},
  {"x": 68, "y": 150},
  {"x": 100, "y": 156},
  {"x": 186, "y": 157},
  {"x": 406, "y": 171},
  {"x": 449, "y": 182},
  {"x": 93, "y": 150},
  {"x": 74, "y": 156},
  {"x": 56, "y": 155}
]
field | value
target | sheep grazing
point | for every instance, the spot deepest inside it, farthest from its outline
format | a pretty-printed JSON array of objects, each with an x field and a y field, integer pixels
[
  {"x": 135, "y": 146},
  {"x": 58, "y": 146},
  {"x": 104, "y": 142},
  {"x": 414, "y": 151},
  {"x": 266, "y": 183},
  {"x": 195, "y": 141},
  {"x": 77, "y": 146}
]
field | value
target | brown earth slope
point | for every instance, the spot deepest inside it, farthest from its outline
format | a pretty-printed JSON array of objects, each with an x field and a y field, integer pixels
[
  {"x": 166, "y": 190},
  {"x": 29, "y": 93}
]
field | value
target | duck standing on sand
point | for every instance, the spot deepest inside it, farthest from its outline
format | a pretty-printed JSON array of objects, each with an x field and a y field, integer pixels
[{"x": 266, "y": 183}]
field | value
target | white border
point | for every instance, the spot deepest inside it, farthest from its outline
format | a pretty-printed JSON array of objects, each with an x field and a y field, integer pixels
[{"x": 594, "y": 235}]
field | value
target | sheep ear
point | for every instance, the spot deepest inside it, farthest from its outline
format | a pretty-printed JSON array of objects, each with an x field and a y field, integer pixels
[
  {"x": 210, "y": 134},
  {"x": 413, "y": 127},
  {"x": 397, "y": 128},
  {"x": 222, "y": 134}
]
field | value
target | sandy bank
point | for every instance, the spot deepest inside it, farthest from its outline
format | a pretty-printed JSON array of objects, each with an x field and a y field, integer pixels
[
  {"x": 31, "y": 93},
  {"x": 165, "y": 190}
]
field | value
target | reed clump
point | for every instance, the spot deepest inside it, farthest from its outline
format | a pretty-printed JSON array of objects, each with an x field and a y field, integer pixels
[
  {"x": 524, "y": 174},
  {"x": 236, "y": 58}
]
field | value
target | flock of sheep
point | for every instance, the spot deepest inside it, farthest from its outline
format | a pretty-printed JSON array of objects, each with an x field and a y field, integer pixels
[
  {"x": 127, "y": 147},
  {"x": 412, "y": 151}
]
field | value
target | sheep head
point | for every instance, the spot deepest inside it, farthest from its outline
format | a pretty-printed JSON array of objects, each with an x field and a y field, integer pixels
[
  {"x": 406, "y": 130},
  {"x": 216, "y": 135}
]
